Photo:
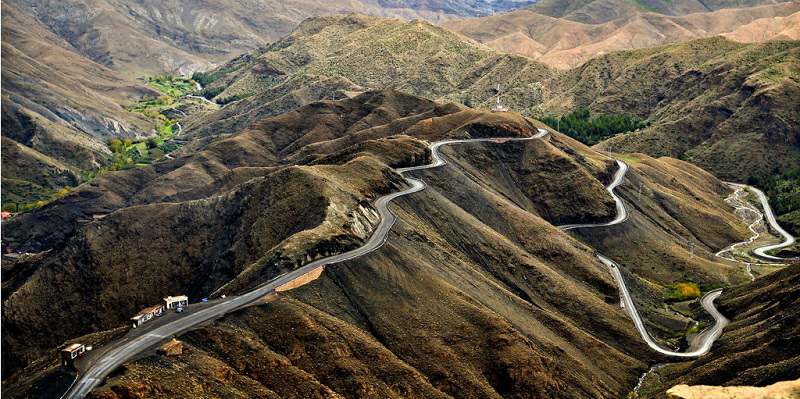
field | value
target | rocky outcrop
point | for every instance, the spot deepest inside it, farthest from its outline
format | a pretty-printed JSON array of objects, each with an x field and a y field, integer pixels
[{"x": 778, "y": 390}]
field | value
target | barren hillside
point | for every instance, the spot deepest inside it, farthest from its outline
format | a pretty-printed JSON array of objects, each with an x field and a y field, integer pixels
[
  {"x": 475, "y": 258},
  {"x": 564, "y": 43}
]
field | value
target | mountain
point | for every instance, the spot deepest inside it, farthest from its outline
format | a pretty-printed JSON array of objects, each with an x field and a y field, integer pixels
[
  {"x": 153, "y": 36},
  {"x": 599, "y": 11},
  {"x": 711, "y": 101},
  {"x": 58, "y": 110},
  {"x": 74, "y": 71},
  {"x": 473, "y": 262},
  {"x": 475, "y": 292},
  {"x": 565, "y": 43},
  {"x": 329, "y": 57},
  {"x": 725, "y": 106}
]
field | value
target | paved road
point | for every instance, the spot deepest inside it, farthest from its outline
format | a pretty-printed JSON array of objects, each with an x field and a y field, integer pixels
[
  {"x": 202, "y": 99},
  {"x": 622, "y": 213},
  {"x": 709, "y": 336},
  {"x": 124, "y": 351},
  {"x": 788, "y": 239},
  {"x": 738, "y": 201}
]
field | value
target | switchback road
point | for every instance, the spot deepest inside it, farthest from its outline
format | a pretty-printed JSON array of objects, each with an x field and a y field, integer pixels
[
  {"x": 788, "y": 239},
  {"x": 707, "y": 301},
  {"x": 122, "y": 351},
  {"x": 622, "y": 213}
]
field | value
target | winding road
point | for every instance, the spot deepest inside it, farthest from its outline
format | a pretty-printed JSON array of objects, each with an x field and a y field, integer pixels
[
  {"x": 622, "y": 213},
  {"x": 707, "y": 301},
  {"x": 125, "y": 350},
  {"x": 788, "y": 239}
]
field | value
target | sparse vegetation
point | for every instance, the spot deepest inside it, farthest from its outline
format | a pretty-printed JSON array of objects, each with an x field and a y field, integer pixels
[
  {"x": 128, "y": 152},
  {"x": 580, "y": 125},
  {"x": 235, "y": 97},
  {"x": 43, "y": 199},
  {"x": 173, "y": 86},
  {"x": 466, "y": 100},
  {"x": 697, "y": 327},
  {"x": 682, "y": 291}
]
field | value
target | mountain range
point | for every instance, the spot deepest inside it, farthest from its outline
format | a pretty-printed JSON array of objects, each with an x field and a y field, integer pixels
[
  {"x": 208, "y": 147},
  {"x": 566, "y": 43},
  {"x": 335, "y": 155}
]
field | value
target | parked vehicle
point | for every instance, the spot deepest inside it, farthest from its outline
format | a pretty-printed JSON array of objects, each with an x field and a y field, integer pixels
[{"x": 179, "y": 309}]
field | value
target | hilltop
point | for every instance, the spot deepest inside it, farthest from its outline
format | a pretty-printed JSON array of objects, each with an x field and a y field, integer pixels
[{"x": 327, "y": 57}]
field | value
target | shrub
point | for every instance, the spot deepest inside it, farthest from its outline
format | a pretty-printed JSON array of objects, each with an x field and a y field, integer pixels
[
  {"x": 205, "y": 78},
  {"x": 682, "y": 291}
]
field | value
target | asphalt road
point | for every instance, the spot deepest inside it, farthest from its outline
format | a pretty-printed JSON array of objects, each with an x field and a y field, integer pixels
[
  {"x": 709, "y": 336},
  {"x": 739, "y": 203},
  {"x": 622, "y": 213},
  {"x": 123, "y": 351},
  {"x": 202, "y": 99},
  {"x": 788, "y": 239}
]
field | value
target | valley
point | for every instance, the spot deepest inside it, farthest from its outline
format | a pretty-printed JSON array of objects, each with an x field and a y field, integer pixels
[{"x": 466, "y": 199}]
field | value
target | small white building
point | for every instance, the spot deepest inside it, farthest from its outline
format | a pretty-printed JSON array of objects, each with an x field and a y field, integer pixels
[
  {"x": 499, "y": 107},
  {"x": 180, "y": 301},
  {"x": 72, "y": 352},
  {"x": 147, "y": 314}
]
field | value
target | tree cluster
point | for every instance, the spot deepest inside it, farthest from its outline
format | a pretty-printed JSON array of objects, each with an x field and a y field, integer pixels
[{"x": 580, "y": 125}]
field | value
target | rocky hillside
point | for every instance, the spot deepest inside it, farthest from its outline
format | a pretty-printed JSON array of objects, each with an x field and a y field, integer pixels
[
  {"x": 58, "y": 110},
  {"x": 599, "y": 11},
  {"x": 761, "y": 345},
  {"x": 565, "y": 43},
  {"x": 153, "y": 36},
  {"x": 298, "y": 186},
  {"x": 330, "y": 56}
]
